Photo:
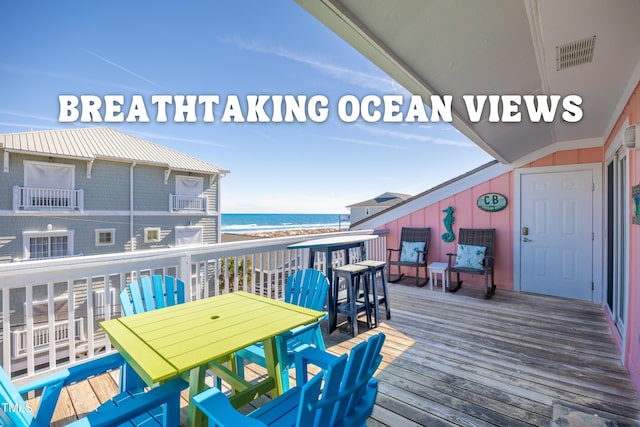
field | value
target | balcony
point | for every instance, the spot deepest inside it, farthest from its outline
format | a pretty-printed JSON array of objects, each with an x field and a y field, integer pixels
[
  {"x": 47, "y": 199},
  {"x": 179, "y": 203},
  {"x": 449, "y": 359}
]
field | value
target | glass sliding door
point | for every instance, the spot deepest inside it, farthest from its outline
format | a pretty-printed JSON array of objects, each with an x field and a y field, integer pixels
[{"x": 617, "y": 238}]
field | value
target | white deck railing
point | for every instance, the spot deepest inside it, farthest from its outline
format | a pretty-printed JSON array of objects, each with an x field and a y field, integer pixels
[
  {"x": 259, "y": 266},
  {"x": 27, "y": 198},
  {"x": 187, "y": 203}
]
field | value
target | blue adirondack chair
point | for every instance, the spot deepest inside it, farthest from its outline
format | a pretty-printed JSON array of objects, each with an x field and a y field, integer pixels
[
  {"x": 151, "y": 293},
  {"x": 346, "y": 398},
  {"x": 158, "y": 406},
  {"x": 306, "y": 288}
]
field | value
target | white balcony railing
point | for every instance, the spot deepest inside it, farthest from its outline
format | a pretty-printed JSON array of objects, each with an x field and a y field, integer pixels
[
  {"x": 28, "y": 198},
  {"x": 31, "y": 291},
  {"x": 42, "y": 337},
  {"x": 187, "y": 203}
]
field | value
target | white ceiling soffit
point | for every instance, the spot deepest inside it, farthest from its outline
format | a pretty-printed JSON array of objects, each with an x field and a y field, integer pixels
[{"x": 499, "y": 47}]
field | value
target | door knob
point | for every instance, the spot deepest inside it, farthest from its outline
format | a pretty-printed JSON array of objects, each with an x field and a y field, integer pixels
[{"x": 526, "y": 239}]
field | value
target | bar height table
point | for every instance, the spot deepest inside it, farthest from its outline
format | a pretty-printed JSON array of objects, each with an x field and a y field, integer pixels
[{"x": 329, "y": 245}]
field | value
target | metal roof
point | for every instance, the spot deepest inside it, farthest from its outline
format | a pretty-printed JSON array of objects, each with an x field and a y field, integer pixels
[
  {"x": 105, "y": 144},
  {"x": 385, "y": 199}
]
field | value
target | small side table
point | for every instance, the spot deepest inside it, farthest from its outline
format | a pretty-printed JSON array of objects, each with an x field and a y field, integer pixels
[{"x": 436, "y": 268}]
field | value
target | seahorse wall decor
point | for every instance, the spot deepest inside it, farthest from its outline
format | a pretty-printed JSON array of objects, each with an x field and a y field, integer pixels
[{"x": 448, "y": 224}]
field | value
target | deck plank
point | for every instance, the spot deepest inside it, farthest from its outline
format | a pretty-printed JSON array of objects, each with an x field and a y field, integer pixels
[
  {"x": 460, "y": 360},
  {"x": 65, "y": 412}
]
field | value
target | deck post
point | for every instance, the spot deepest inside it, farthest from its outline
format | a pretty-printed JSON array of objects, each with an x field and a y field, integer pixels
[{"x": 184, "y": 273}]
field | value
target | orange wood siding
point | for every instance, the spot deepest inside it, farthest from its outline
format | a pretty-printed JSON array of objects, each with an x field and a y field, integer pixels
[
  {"x": 468, "y": 215},
  {"x": 631, "y": 114}
]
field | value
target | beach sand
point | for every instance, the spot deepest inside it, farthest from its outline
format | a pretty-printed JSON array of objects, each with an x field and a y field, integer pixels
[{"x": 237, "y": 237}]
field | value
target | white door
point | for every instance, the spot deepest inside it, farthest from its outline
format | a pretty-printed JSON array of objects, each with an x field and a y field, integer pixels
[{"x": 556, "y": 235}]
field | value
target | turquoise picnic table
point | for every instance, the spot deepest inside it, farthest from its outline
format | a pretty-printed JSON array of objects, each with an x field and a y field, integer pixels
[
  {"x": 187, "y": 339},
  {"x": 328, "y": 246}
]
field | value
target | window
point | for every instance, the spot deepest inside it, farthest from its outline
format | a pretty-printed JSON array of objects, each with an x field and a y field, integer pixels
[
  {"x": 188, "y": 236},
  {"x": 47, "y": 244},
  {"x": 48, "y": 186},
  {"x": 188, "y": 195},
  {"x": 48, "y": 175},
  {"x": 189, "y": 185},
  {"x": 105, "y": 236},
  {"x": 152, "y": 234}
]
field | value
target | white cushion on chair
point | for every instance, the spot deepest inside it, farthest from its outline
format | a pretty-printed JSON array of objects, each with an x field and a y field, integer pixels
[
  {"x": 469, "y": 256},
  {"x": 410, "y": 252}
]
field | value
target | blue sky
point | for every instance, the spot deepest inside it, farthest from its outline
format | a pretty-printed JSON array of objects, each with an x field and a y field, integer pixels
[{"x": 226, "y": 48}]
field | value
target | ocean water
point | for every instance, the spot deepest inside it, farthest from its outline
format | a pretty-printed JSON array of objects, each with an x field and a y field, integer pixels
[{"x": 248, "y": 223}]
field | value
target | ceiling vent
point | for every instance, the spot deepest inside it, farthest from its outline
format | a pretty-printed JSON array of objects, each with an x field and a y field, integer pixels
[{"x": 575, "y": 53}]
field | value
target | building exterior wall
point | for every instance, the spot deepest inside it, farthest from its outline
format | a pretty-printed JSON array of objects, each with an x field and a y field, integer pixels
[
  {"x": 631, "y": 115},
  {"x": 468, "y": 215},
  {"x": 211, "y": 193},
  {"x": 150, "y": 191},
  {"x": 97, "y": 195},
  {"x": 107, "y": 200},
  {"x": 361, "y": 212},
  {"x": 167, "y": 225}
]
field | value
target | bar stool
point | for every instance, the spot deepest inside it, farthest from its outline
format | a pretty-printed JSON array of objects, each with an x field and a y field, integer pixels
[
  {"x": 375, "y": 267},
  {"x": 352, "y": 274}
]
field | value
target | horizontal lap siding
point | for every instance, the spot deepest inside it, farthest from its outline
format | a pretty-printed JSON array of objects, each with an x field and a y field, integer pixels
[
  {"x": 108, "y": 187},
  {"x": 150, "y": 193},
  {"x": 211, "y": 193},
  {"x": 468, "y": 215},
  {"x": 106, "y": 193},
  {"x": 631, "y": 115}
]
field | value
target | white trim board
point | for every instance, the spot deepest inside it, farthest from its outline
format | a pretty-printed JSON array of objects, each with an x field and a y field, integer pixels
[
  {"x": 435, "y": 196},
  {"x": 472, "y": 180},
  {"x": 614, "y": 147}
]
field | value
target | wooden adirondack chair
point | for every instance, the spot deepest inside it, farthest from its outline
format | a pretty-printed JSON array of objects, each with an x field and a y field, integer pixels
[
  {"x": 151, "y": 293},
  {"x": 306, "y": 288},
  {"x": 158, "y": 406},
  {"x": 346, "y": 398}
]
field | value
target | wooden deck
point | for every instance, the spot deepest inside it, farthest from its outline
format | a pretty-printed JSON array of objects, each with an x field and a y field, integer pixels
[{"x": 460, "y": 360}]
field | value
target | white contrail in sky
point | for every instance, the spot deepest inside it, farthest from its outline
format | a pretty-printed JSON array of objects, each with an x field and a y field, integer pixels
[{"x": 128, "y": 71}]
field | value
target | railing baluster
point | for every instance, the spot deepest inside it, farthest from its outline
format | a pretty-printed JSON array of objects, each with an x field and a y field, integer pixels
[
  {"x": 90, "y": 318},
  {"x": 51, "y": 316},
  {"x": 71, "y": 324},
  {"x": 281, "y": 275},
  {"x": 187, "y": 203},
  {"x": 49, "y": 198},
  {"x": 265, "y": 266},
  {"x": 107, "y": 308},
  {"x": 29, "y": 327},
  {"x": 6, "y": 332}
]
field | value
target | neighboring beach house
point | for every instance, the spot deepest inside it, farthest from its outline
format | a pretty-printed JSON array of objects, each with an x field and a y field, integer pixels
[
  {"x": 98, "y": 190},
  {"x": 369, "y": 207},
  {"x": 570, "y": 227}
]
